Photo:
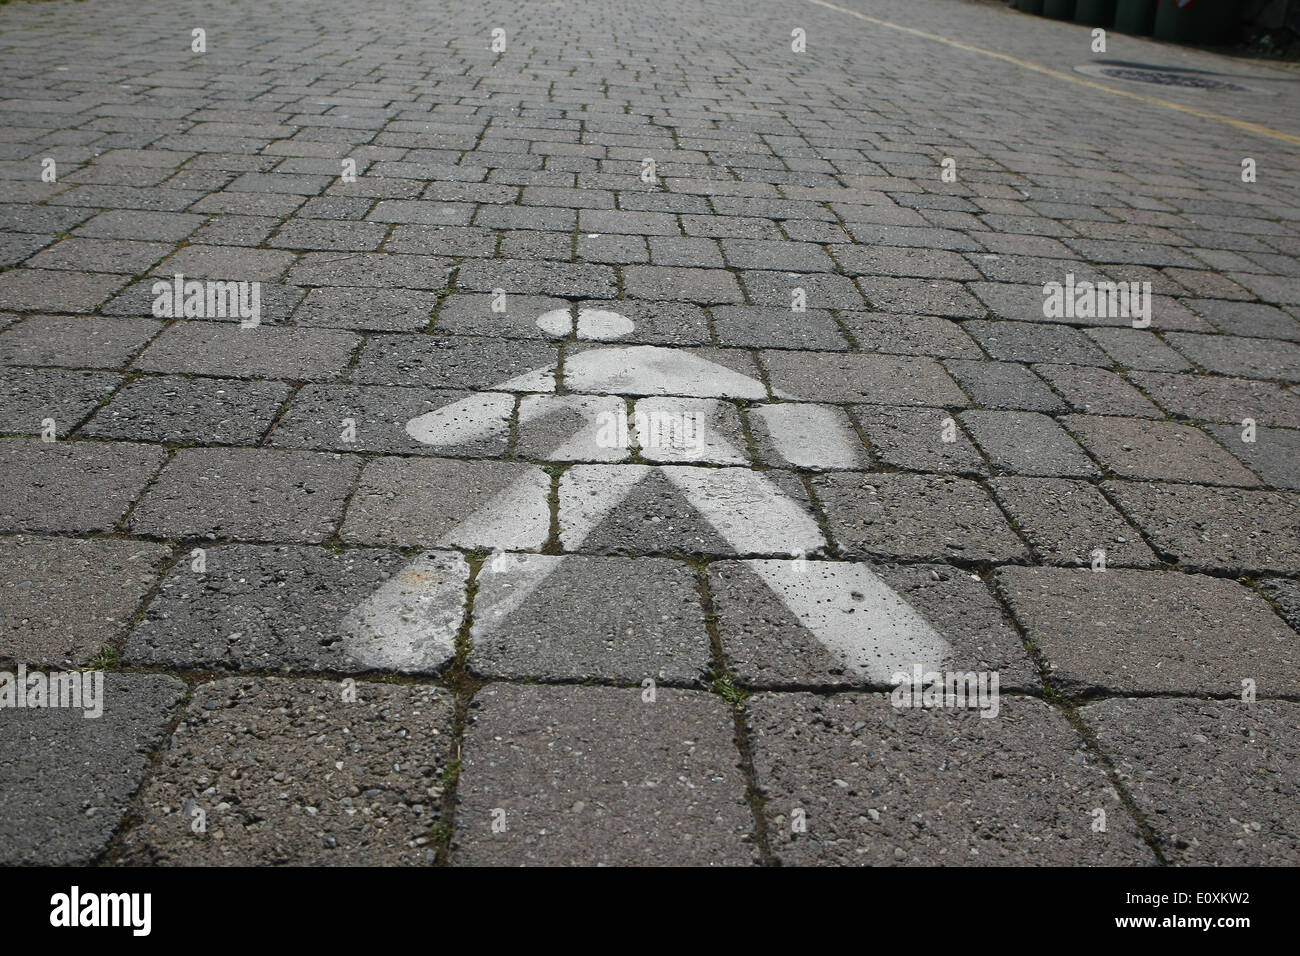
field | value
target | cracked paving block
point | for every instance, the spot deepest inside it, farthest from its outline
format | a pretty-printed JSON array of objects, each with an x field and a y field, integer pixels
[
  {"x": 71, "y": 486},
  {"x": 63, "y": 812},
  {"x": 876, "y": 379},
  {"x": 1215, "y": 779},
  {"x": 181, "y": 410},
  {"x": 680, "y": 509},
  {"x": 255, "y": 494},
  {"x": 914, "y": 517},
  {"x": 812, "y": 624},
  {"x": 294, "y": 772},
  {"x": 440, "y": 501},
  {"x": 1124, "y": 631},
  {"x": 913, "y": 439},
  {"x": 386, "y": 420},
  {"x": 69, "y": 341},
  {"x": 65, "y": 598},
  {"x": 1133, "y": 448},
  {"x": 257, "y": 607},
  {"x": 1067, "y": 522},
  {"x": 587, "y": 618},
  {"x": 1027, "y": 443},
  {"x": 879, "y": 785},
  {"x": 1215, "y": 529},
  {"x": 457, "y": 361},
  {"x": 30, "y": 397},
  {"x": 600, "y": 776}
]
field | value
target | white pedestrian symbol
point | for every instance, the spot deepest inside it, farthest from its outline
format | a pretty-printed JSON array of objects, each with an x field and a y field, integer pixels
[{"x": 411, "y": 620}]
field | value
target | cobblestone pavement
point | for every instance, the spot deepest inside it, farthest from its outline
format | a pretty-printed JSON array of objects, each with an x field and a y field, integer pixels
[{"x": 632, "y": 423}]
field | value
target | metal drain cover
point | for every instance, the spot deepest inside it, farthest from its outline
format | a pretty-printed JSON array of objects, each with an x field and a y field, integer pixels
[
  {"x": 1172, "y": 79},
  {"x": 1165, "y": 76}
]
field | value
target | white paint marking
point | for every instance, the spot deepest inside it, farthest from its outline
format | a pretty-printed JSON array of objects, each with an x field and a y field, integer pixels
[
  {"x": 811, "y": 436},
  {"x": 483, "y": 415},
  {"x": 411, "y": 620},
  {"x": 651, "y": 370},
  {"x": 856, "y": 616}
]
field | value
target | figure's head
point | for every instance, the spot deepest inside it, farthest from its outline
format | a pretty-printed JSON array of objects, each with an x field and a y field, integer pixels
[{"x": 595, "y": 325}]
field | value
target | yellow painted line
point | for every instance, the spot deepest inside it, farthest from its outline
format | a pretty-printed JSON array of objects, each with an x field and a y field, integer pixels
[{"x": 1069, "y": 77}]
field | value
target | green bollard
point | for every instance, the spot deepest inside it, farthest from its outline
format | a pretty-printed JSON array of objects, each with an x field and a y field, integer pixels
[
  {"x": 1135, "y": 16},
  {"x": 1095, "y": 13}
]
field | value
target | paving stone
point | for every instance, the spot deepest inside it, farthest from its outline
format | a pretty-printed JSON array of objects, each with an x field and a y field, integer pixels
[
  {"x": 1132, "y": 448},
  {"x": 1134, "y": 348},
  {"x": 257, "y": 607},
  {"x": 471, "y": 504},
  {"x": 375, "y": 419},
  {"x": 1126, "y": 631},
  {"x": 813, "y": 624},
  {"x": 909, "y": 335},
  {"x": 455, "y": 361},
  {"x": 1273, "y": 454},
  {"x": 472, "y": 314},
  {"x": 30, "y": 397},
  {"x": 370, "y": 270},
  {"x": 768, "y": 327},
  {"x": 1029, "y": 342},
  {"x": 821, "y": 290},
  {"x": 1066, "y": 522},
  {"x": 898, "y": 261},
  {"x": 289, "y": 772},
  {"x": 228, "y": 263},
  {"x": 1097, "y": 391},
  {"x": 914, "y": 517},
  {"x": 251, "y": 494},
  {"x": 597, "y": 775},
  {"x": 861, "y": 378},
  {"x": 202, "y": 348},
  {"x": 1215, "y": 779},
  {"x": 1215, "y": 529},
  {"x": 548, "y": 617},
  {"x": 44, "y": 290},
  {"x": 181, "y": 411},
  {"x": 100, "y": 255},
  {"x": 807, "y": 436},
  {"x": 1003, "y": 385},
  {"x": 705, "y": 286},
  {"x": 913, "y": 439},
  {"x": 1233, "y": 355},
  {"x": 75, "y": 342},
  {"x": 64, "y": 812},
  {"x": 135, "y": 224},
  {"x": 1248, "y": 318},
  {"x": 919, "y": 297},
  {"x": 66, "y": 598},
  {"x": 879, "y": 785},
  {"x": 520, "y": 276},
  {"x": 1210, "y": 398},
  {"x": 378, "y": 310},
  {"x": 1027, "y": 443},
  {"x": 72, "y": 485},
  {"x": 660, "y": 323}
]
